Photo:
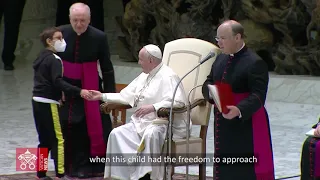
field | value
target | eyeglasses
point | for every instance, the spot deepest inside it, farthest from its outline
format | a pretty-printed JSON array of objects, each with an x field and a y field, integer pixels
[
  {"x": 57, "y": 37},
  {"x": 222, "y": 38}
]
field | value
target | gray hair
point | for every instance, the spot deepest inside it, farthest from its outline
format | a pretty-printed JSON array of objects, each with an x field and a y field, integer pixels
[
  {"x": 237, "y": 28},
  {"x": 76, "y": 6}
]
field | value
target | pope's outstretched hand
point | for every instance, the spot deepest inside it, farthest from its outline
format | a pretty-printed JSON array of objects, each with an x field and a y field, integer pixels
[{"x": 95, "y": 95}]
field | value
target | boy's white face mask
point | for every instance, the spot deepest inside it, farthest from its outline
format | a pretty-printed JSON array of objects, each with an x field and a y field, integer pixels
[{"x": 60, "y": 45}]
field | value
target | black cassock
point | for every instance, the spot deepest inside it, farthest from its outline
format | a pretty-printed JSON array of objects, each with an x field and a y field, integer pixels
[
  {"x": 249, "y": 136},
  {"x": 85, "y": 129},
  {"x": 310, "y": 158}
]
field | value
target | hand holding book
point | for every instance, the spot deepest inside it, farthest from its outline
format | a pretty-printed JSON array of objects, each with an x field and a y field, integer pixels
[
  {"x": 314, "y": 132},
  {"x": 222, "y": 96}
]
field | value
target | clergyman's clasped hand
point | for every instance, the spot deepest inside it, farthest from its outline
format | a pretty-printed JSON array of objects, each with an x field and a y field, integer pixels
[{"x": 233, "y": 112}]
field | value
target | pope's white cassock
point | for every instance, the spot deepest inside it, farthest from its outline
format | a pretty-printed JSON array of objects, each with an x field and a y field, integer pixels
[{"x": 145, "y": 135}]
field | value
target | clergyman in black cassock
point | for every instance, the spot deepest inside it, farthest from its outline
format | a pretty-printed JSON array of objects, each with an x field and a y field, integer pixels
[
  {"x": 310, "y": 156},
  {"x": 243, "y": 133},
  {"x": 85, "y": 129}
]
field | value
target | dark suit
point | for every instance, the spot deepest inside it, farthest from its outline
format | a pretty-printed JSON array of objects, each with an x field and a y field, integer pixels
[{"x": 12, "y": 11}]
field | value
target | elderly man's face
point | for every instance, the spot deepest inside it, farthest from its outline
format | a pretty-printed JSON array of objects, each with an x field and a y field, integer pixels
[
  {"x": 144, "y": 61},
  {"x": 226, "y": 40},
  {"x": 80, "y": 20}
]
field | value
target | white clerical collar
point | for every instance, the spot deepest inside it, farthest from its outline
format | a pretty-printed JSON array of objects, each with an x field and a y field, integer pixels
[
  {"x": 239, "y": 49},
  {"x": 155, "y": 70}
]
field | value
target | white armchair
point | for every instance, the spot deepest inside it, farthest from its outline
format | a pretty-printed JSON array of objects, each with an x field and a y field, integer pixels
[{"x": 183, "y": 55}]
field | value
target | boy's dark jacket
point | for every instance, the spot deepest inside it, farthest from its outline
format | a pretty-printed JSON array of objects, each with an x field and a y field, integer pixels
[{"x": 48, "y": 80}]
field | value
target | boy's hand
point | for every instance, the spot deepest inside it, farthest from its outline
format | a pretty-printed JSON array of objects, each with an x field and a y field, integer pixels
[{"x": 86, "y": 94}]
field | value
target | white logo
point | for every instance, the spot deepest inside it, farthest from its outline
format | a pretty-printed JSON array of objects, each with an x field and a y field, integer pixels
[{"x": 27, "y": 159}]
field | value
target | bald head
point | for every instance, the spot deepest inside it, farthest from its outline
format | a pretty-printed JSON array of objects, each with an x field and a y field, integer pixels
[
  {"x": 79, "y": 17},
  {"x": 230, "y": 36},
  {"x": 234, "y": 26}
]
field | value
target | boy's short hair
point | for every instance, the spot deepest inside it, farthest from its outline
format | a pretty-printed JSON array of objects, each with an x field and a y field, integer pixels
[{"x": 48, "y": 34}]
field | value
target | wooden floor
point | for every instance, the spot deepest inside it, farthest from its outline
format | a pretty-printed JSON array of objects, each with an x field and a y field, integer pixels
[{"x": 32, "y": 176}]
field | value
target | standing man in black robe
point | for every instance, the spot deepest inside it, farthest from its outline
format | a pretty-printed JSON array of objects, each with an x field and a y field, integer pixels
[
  {"x": 12, "y": 11},
  {"x": 85, "y": 129},
  {"x": 243, "y": 132}
]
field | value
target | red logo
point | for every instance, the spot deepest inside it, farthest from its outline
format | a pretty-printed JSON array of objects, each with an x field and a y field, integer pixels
[{"x": 31, "y": 159}]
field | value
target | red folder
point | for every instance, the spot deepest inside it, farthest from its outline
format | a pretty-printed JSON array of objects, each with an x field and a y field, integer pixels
[{"x": 222, "y": 96}]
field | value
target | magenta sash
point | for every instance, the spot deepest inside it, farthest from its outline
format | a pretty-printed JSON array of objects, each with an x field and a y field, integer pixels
[
  {"x": 88, "y": 74},
  {"x": 264, "y": 168},
  {"x": 317, "y": 160}
]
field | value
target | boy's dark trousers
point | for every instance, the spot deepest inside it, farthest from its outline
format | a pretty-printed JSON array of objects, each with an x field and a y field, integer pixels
[
  {"x": 48, "y": 126},
  {"x": 12, "y": 11}
]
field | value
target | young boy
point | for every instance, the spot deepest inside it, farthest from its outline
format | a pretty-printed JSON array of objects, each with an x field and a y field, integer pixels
[{"x": 47, "y": 92}]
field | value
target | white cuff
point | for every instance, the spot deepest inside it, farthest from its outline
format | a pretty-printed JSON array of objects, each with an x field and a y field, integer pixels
[
  {"x": 240, "y": 116},
  {"x": 114, "y": 98},
  {"x": 104, "y": 97},
  {"x": 157, "y": 106}
]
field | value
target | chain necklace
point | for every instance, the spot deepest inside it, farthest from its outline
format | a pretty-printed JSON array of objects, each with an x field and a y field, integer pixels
[{"x": 137, "y": 99}]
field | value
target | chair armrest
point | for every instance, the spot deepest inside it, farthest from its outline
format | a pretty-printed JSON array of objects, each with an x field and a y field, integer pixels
[
  {"x": 165, "y": 112},
  {"x": 106, "y": 108}
]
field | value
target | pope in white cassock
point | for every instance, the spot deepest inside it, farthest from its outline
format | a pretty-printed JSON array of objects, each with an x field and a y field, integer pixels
[{"x": 151, "y": 90}]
